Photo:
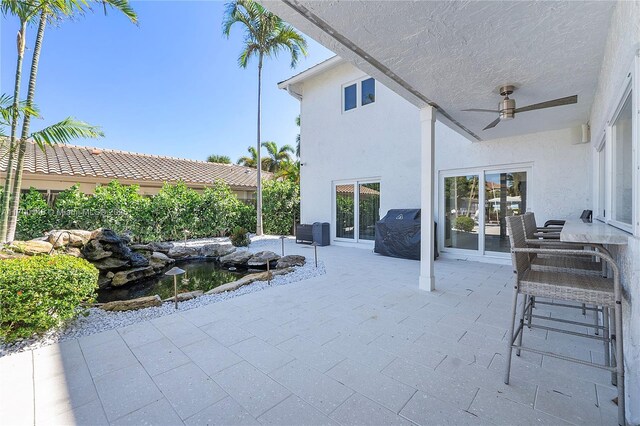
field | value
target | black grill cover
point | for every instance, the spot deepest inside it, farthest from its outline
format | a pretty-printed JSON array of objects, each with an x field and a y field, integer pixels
[{"x": 398, "y": 234}]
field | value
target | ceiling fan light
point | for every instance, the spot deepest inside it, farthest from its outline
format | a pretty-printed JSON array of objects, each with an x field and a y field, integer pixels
[{"x": 507, "y": 108}]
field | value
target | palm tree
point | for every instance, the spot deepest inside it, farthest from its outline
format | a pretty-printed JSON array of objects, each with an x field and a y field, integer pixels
[
  {"x": 222, "y": 159},
  {"x": 266, "y": 35},
  {"x": 251, "y": 160},
  {"x": 289, "y": 170},
  {"x": 47, "y": 10},
  {"x": 277, "y": 156}
]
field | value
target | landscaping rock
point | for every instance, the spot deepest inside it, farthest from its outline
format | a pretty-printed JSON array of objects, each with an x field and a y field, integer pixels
[
  {"x": 128, "y": 305},
  {"x": 137, "y": 260},
  {"x": 105, "y": 236},
  {"x": 73, "y": 251},
  {"x": 32, "y": 246},
  {"x": 161, "y": 247},
  {"x": 262, "y": 257},
  {"x": 216, "y": 250},
  {"x": 141, "y": 247},
  {"x": 126, "y": 237},
  {"x": 186, "y": 296},
  {"x": 159, "y": 260},
  {"x": 111, "y": 263},
  {"x": 182, "y": 252},
  {"x": 93, "y": 250},
  {"x": 118, "y": 249},
  {"x": 290, "y": 261},
  {"x": 236, "y": 258},
  {"x": 248, "y": 279},
  {"x": 123, "y": 277},
  {"x": 110, "y": 275},
  {"x": 104, "y": 281},
  {"x": 68, "y": 237}
]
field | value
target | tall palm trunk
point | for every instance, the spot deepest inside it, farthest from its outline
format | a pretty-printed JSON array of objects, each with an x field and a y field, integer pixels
[
  {"x": 17, "y": 183},
  {"x": 6, "y": 194},
  {"x": 259, "y": 164}
]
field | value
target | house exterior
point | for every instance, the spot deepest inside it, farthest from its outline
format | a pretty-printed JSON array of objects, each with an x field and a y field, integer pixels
[
  {"x": 345, "y": 150},
  {"x": 445, "y": 57},
  {"x": 61, "y": 166}
]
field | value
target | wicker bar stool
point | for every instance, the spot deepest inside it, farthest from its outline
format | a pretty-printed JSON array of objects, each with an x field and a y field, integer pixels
[{"x": 569, "y": 287}]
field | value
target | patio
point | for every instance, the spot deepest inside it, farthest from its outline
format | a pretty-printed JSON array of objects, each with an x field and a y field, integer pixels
[{"x": 359, "y": 345}]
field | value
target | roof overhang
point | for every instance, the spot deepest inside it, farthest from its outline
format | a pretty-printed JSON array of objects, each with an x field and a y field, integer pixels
[
  {"x": 290, "y": 84},
  {"x": 454, "y": 55}
]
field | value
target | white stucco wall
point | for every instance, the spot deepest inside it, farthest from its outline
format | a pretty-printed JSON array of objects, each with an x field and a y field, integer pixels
[
  {"x": 623, "y": 44},
  {"x": 560, "y": 184},
  {"x": 380, "y": 140}
]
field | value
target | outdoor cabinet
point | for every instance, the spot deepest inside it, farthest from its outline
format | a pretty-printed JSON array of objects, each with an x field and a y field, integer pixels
[{"x": 320, "y": 232}]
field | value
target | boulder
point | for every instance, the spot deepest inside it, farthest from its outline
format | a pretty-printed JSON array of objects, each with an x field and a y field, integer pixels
[
  {"x": 118, "y": 249},
  {"x": 182, "y": 252},
  {"x": 8, "y": 254},
  {"x": 186, "y": 296},
  {"x": 216, "y": 250},
  {"x": 141, "y": 247},
  {"x": 32, "y": 247},
  {"x": 73, "y": 251},
  {"x": 69, "y": 237},
  {"x": 93, "y": 250},
  {"x": 110, "y": 263},
  {"x": 103, "y": 281},
  {"x": 110, "y": 275},
  {"x": 161, "y": 247},
  {"x": 290, "y": 261},
  {"x": 236, "y": 258},
  {"x": 128, "y": 305},
  {"x": 105, "y": 236},
  {"x": 159, "y": 260},
  {"x": 126, "y": 237},
  {"x": 137, "y": 260},
  {"x": 123, "y": 277},
  {"x": 262, "y": 257},
  {"x": 248, "y": 279}
]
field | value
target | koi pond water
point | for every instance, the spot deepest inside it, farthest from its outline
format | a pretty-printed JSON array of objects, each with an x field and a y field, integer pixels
[{"x": 200, "y": 275}]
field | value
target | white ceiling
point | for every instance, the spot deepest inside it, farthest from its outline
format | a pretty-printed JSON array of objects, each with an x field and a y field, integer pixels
[{"x": 456, "y": 54}]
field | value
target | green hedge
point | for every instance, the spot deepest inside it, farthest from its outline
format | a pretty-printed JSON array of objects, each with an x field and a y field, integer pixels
[
  {"x": 165, "y": 216},
  {"x": 39, "y": 293},
  {"x": 464, "y": 223}
]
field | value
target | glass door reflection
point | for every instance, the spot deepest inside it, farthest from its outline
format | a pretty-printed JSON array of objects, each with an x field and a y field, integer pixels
[
  {"x": 505, "y": 195},
  {"x": 345, "y": 211},
  {"x": 368, "y": 210},
  {"x": 461, "y": 212}
]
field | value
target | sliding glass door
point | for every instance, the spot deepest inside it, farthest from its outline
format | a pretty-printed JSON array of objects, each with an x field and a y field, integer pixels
[
  {"x": 357, "y": 209},
  {"x": 474, "y": 205}
]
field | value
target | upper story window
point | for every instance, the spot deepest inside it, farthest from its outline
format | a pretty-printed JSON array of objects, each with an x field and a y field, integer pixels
[
  {"x": 358, "y": 94},
  {"x": 368, "y": 91},
  {"x": 350, "y": 97},
  {"x": 621, "y": 136}
]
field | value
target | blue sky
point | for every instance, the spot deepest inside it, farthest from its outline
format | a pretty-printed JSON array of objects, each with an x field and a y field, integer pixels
[{"x": 169, "y": 86}]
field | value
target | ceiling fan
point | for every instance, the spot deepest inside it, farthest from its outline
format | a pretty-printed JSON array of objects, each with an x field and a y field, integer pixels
[{"x": 507, "y": 106}]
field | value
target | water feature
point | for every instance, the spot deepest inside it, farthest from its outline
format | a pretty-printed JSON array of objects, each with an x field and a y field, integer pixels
[{"x": 200, "y": 275}]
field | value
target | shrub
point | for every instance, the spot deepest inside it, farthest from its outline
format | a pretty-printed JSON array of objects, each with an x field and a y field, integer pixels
[
  {"x": 281, "y": 204},
  {"x": 39, "y": 293},
  {"x": 34, "y": 216},
  {"x": 247, "y": 216},
  {"x": 464, "y": 223},
  {"x": 239, "y": 237},
  {"x": 70, "y": 210}
]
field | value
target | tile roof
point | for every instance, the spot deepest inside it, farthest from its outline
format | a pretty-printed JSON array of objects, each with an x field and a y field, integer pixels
[{"x": 73, "y": 160}]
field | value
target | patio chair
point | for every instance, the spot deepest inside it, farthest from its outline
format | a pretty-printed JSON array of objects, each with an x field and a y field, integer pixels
[
  {"x": 569, "y": 287},
  {"x": 561, "y": 263}
]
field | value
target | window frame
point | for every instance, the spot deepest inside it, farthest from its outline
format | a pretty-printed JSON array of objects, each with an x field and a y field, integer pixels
[
  {"x": 630, "y": 89},
  {"x": 358, "y": 83}
]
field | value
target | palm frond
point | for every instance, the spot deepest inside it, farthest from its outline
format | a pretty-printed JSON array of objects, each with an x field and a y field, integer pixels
[
  {"x": 122, "y": 6},
  {"x": 65, "y": 131}
]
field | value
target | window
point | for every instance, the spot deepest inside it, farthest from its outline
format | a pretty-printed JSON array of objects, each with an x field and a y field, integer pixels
[
  {"x": 602, "y": 182},
  {"x": 358, "y": 94},
  {"x": 368, "y": 91},
  {"x": 350, "y": 97},
  {"x": 357, "y": 207},
  {"x": 622, "y": 200}
]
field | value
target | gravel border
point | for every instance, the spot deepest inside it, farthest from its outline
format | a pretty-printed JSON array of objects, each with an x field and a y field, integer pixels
[{"x": 98, "y": 320}]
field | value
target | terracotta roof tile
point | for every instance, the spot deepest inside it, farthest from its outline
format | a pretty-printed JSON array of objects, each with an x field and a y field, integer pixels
[{"x": 112, "y": 164}]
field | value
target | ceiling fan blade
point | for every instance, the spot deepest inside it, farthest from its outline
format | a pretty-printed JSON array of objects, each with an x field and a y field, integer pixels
[
  {"x": 549, "y": 104},
  {"x": 480, "y": 110},
  {"x": 493, "y": 124}
]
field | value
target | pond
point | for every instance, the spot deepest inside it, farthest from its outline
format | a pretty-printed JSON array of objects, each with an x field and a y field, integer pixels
[{"x": 200, "y": 275}]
